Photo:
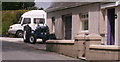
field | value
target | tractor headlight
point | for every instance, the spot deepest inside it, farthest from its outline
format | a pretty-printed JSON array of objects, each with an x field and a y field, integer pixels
[
  {"x": 32, "y": 31},
  {"x": 45, "y": 33},
  {"x": 42, "y": 33}
]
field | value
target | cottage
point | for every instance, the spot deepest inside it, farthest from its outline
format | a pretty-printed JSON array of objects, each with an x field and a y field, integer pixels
[{"x": 94, "y": 21}]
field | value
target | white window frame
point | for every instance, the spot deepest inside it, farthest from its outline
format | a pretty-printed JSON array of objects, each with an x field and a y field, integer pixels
[{"x": 84, "y": 17}]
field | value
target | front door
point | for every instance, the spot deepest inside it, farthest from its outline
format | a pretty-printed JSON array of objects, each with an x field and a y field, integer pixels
[
  {"x": 111, "y": 26},
  {"x": 67, "y": 19}
]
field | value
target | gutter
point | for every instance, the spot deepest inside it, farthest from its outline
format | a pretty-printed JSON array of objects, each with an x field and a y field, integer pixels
[{"x": 67, "y": 7}]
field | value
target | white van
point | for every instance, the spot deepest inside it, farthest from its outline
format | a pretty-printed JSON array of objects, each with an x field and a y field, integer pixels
[{"x": 27, "y": 18}]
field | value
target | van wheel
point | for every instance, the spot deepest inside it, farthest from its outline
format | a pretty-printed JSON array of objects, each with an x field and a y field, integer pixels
[
  {"x": 25, "y": 37},
  {"x": 32, "y": 39},
  {"x": 19, "y": 34}
]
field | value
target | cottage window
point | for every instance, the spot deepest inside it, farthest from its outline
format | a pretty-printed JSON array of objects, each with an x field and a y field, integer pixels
[
  {"x": 53, "y": 24},
  {"x": 85, "y": 25},
  {"x": 84, "y": 20}
]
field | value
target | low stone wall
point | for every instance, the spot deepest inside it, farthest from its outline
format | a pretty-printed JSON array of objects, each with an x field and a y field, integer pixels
[
  {"x": 103, "y": 52},
  {"x": 85, "y": 47},
  {"x": 70, "y": 48},
  {"x": 77, "y": 48},
  {"x": 65, "y": 47}
]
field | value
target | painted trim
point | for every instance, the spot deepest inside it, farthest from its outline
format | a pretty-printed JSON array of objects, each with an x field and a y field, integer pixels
[{"x": 84, "y": 31}]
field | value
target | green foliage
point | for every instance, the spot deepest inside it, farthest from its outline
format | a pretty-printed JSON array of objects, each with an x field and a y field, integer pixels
[
  {"x": 0, "y": 5},
  {"x": 0, "y": 23},
  {"x": 9, "y": 18},
  {"x": 16, "y": 5},
  {"x": 31, "y": 8}
]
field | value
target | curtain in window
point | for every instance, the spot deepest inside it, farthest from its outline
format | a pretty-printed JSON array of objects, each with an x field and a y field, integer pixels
[{"x": 111, "y": 27}]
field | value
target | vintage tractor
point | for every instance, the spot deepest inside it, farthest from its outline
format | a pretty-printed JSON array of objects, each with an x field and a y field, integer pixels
[{"x": 31, "y": 36}]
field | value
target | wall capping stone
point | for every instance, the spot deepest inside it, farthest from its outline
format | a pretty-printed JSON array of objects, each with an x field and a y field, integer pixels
[
  {"x": 105, "y": 47},
  {"x": 60, "y": 42}
]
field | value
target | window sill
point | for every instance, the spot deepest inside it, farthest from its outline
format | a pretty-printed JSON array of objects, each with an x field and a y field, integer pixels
[
  {"x": 110, "y": 47},
  {"x": 84, "y": 31}
]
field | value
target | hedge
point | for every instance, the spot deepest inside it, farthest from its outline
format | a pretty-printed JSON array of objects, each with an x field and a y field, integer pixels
[{"x": 10, "y": 17}]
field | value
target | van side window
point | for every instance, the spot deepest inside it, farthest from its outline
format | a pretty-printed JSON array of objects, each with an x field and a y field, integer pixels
[
  {"x": 39, "y": 20},
  {"x": 26, "y": 21}
]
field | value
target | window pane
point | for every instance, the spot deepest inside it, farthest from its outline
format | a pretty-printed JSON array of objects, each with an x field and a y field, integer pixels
[
  {"x": 86, "y": 25},
  {"x": 53, "y": 20},
  {"x": 42, "y": 21},
  {"x": 39, "y": 20},
  {"x": 87, "y": 15},
  {"x": 26, "y": 21},
  {"x": 84, "y": 19},
  {"x": 53, "y": 24}
]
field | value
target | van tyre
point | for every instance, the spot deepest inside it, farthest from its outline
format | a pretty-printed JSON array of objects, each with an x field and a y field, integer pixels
[
  {"x": 32, "y": 39},
  {"x": 19, "y": 34}
]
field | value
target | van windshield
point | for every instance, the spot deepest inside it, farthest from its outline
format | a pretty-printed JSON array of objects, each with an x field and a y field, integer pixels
[{"x": 19, "y": 22}]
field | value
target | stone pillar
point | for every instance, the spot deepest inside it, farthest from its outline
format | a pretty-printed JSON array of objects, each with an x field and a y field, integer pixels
[
  {"x": 83, "y": 42},
  {"x": 75, "y": 24},
  {"x": 93, "y": 39},
  {"x": 80, "y": 44}
]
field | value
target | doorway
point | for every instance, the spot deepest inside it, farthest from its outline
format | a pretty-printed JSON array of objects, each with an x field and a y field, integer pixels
[
  {"x": 111, "y": 26},
  {"x": 67, "y": 21}
]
